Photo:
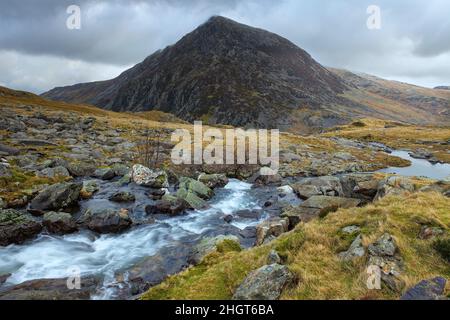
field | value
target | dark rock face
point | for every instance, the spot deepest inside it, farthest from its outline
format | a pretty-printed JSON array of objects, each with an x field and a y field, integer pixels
[
  {"x": 50, "y": 289},
  {"x": 426, "y": 290},
  {"x": 122, "y": 197},
  {"x": 107, "y": 220},
  {"x": 56, "y": 197},
  {"x": 202, "y": 74},
  {"x": 16, "y": 227},
  {"x": 167, "y": 205}
]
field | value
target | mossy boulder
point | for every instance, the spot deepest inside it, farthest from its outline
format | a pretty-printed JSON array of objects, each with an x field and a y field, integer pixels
[
  {"x": 169, "y": 204},
  {"x": 221, "y": 243},
  {"x": 213, "y": 180},
  {"x": 146, "y": 177},
  {"x": 194, "y": 192},
  {"x": 106, "y": 220},
  {"x": 56, "y": 197},
  {"x": 17, "y": 227}
]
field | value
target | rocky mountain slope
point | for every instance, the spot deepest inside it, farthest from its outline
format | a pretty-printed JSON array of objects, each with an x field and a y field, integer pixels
[{"x": 225, "y": 72}]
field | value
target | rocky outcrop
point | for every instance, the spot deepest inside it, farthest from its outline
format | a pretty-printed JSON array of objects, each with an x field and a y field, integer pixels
[
  {"x": 146, "y": 177},
  {"x": 327, "y": 186},
  {"x": 359, "y": 186},
  {"x": 55, "y": 197},
  {"x": 17, "y": 227},
  {"x": 106, "y": 220},
  {"x": 266, "y": 283},
  {"x": 59, "y": 223}
]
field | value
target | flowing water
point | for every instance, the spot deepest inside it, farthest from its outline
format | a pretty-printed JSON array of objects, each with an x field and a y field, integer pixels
[
  {"x": 51, "y": 256},
  {"x": 419, "y": 168}
]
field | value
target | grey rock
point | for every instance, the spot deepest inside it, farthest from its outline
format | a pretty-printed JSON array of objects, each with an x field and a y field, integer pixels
[
  {"x": 356, "y": 250},
  {"x": 122, "y": 196},
  {"x": 270, "y": 229},
  {"x": 56, "y": 197},
  {"x": 273, "y": 257},
  {"x": 384, "y": 246},
  {"x": 106, "y": 220},
  {"x": 208, "y": 245},
  {"x": 54, "y": 172},
  {"x": 213, "y": 180},
  {"x": 266, "y": 283},
  {"x": 81, "y": 169},
  {"x": 104, "y": 173},
  {"x": 432, "y": 289},
  {"x": 59, "y": 222},
  {"x": 144, "y": 176},
  {"x": 11, "y": 151},
  {"x": 17, "y": 227}
]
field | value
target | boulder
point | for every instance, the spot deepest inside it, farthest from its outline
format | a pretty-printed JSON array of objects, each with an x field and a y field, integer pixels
[
  {"x": 270, "y": 229},
  {"x": 384, "y": 246},
  {"x": 104, "y": 174},
  {"x": 81, "y": 169},
  {"x": 89, "y": 188},
  {"x": 432, "y": 289},
  {"x": 360, "y": 186},
  {"x": 59, "y": 223},
  {"x": 439, "y": 186},
  {"x": 327, "y": 185},
  {"x": 56, "y": 197},
  {"x": 106, "y": 220},
  {"x": 17, "y": 227},
  {"x": 120, "y": 170},
  {"x": 123, "y": 196},
  {"x": 213, "y": 181},
  {"x": 58, "y": 171},
  {"x": 208, "y": 245},
  {"x": 169, "y": 204},
  {"x": 266, "y": 283},
  {"x": 395, "y": 185},
  {"x": 11, "y": 151},
  {"x": 194, "y": 192},
  {"x": 146, "y": 177},
  {"x": 50, "y": 289},
  {"x": 273, "y": 257}
]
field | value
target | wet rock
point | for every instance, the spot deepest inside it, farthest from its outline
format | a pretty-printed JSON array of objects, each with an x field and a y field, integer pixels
[
  {"x": 169, "y": 204},
  {"x": 208, "y": 245},
  {"x": 106, "y": 220},
  {"x": 120, "y": 170},
  {"x": 16, "y": 227},
  {"x": 59, "y": 223},
  {"x": 432, "y": 289},
  {"x": 155, "y": 269},
  {"x": 248, "y": 232},
  {"x": 394, "y": 185},
  {"x": 10, "y": 151},
  {"x": 270, "y": 229},
  {"x": 123, "y": 196},
  {"x": 81, "y": 169},
  {"x": 213, "y": 181},
  {"x": 54, "y": 172},
  {"x": 126, "y": 179},
  {"x": 56, "y": 197},
  {"x": 228, "y": 218},
  {"x": 104, "y": 174},
  {"x": 356, "y": 250},
  {"x": 146, "y": 177},
  {"x": 194, "y": 192},
  {"x": 266, "y": 283},
  {"x": 89, "y": 188},
  {"x": 273, "y": 257},
  {"x": 249, "y": 214},
  {"x": 50, "y": 289},
  {"x": 265, "y": 180}
]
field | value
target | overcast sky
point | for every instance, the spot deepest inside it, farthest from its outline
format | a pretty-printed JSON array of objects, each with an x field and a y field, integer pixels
[{"x": 38, "y": 51}]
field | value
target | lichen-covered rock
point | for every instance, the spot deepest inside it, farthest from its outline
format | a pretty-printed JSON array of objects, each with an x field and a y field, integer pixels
[
  {"x": 17, "y": 227},
  {"x": 432, "y": 289},
  {"x": 356, "y": 250},
  {"x": 327, "y": 186},
  {"x": 89, "y": 188},
  {"x": 395, "y": 185},
  {"x": 58, "y": 171},
  {"x": 106, "y": 220},
  {"x": 56, "y": 197},
  {"x": 146, "y": 177},
  {"x": 266, "y": 283},
  {"x": 384, "y": 246},
  {"x": 104, "y": 173},
  {"x": 194, "y": 193},
  {"x": 81, "y": 169},
  {"x": 213, "y": 180},
  {"x": 59, "y": 222}
]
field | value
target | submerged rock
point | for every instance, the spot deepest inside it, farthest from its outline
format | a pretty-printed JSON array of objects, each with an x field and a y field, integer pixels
[
  {"x": 17, "y": 227},
  {"x": 146, "y": 177},
  {"x": 56, "y": 197},
  {"x": 266, "y": 283}
]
